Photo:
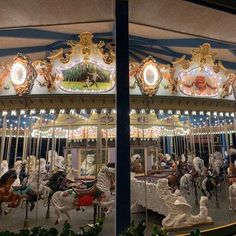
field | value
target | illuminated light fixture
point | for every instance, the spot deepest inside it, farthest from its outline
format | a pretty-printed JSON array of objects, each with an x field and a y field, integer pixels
[
  {"x": 42, "y": 111},
  {"x": 215, "y": 113},
  {"x": 104, "y": 111},
  {"x": 32, "y": 112},
  {"x": 186, "y": 112},
  {"x": 4, "y": 113},
  {"x": 52, "y": 111},
  {"x": 194, "y": 113},
  {"x": 201, "y": 112},
  {"x": 221, "y": 114},
  {"x": 232, "y": 114},
  {"x": 62, "y": 111},
  {"x": 178, "y": 112},
  {"x": 149, "y": 76},
  {"x": 227, "y": 114},
  {"x": 169, "y": 112},
  {"x": 142, "y": 111},
  {"x": 113, "y": 111},
  {"x": 72, "y": 111},
  {"x": 22, "y": 112},
  {"x": 152, "y": 111},
  {"x": 208, "y": 113},
  {"x": 13, "y": 113},
  {"x": 93, "y": 111}
]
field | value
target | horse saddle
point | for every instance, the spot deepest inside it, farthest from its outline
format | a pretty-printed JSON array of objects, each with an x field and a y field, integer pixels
[
  {"x": 21, "y": 189},
  {"x": 89, "y": 190}
]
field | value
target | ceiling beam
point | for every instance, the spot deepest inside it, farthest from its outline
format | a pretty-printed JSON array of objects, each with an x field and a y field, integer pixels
[
  {"x": 44, "y": 34},
  {"x": 182, "y": 42},
  {"x": 135, "y": 57},
  {"x": 158, "y": 51},
  {"x": 145, "y": 54},
  {"x": 220, "y": 5}
]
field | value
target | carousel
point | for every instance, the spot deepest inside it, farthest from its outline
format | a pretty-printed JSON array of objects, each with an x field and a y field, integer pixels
[{"x": 58, "y": 152}]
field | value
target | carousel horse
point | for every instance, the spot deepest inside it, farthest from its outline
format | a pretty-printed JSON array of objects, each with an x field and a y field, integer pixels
[
  {"x": 99, "y": 192},
  {"x": 186, "y": 182},
  {"x": 231, "y": 173},
  {"x": 57, "y": 182},
  {"x": 6, "y": 194},
  {"x": 208, "y": 184},
  {"x": 56, "y": 160},
  {"x": 3, "y": 168},
  {"x": 136, "y": 164},
  {"x": 198, "y": 164},
  {"x": 17, "y": 167},
  {"x": 232, "y": 196},
  {"x": 32, "y": 189},
  {"x": 174, "y": 179}
]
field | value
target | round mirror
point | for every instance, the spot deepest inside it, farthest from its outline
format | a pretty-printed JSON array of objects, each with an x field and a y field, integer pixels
[
  {"x": 18, "y": 74},
  {"x": 150, "y": 75}
]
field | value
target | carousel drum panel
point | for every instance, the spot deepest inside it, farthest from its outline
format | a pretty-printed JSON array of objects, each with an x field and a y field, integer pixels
[{"x": 149, "y": 199}]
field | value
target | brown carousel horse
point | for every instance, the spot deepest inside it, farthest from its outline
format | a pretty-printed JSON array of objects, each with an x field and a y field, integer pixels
[
  {"x": 231, "y": 173},
  {"x": 174, "y": 179},
  {"x": 6, "y": 193}
]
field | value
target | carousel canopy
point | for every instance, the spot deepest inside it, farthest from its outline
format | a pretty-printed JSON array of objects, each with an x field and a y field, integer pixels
[{"x": 38, "y": 31}]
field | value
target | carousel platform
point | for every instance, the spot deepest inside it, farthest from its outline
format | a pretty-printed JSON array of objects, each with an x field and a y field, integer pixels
[{"x": 224, "y": 219}]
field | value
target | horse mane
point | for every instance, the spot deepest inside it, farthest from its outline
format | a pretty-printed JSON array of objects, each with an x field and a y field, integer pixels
[
  {"x": 55, "y": 178},
  {"x": 232, "y": 169},
  {"x": 9, "y": 174},
  {"x": 111, "y": 165}
]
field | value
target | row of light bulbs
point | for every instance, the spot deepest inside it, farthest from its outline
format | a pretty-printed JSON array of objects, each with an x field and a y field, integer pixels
[{"x": 113, "y": 111}]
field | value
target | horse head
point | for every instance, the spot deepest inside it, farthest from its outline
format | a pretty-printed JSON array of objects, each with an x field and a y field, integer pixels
[
  {"x": 8, "y": 178},
  {"x": 110, "y": 169}
]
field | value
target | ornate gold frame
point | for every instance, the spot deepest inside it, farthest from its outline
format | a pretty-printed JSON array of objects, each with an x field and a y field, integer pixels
[
  {"x": 31, "y": 74},
  {"x": 147, "y": 89}
]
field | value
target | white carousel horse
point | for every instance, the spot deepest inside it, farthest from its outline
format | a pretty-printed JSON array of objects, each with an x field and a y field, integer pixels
[
  {"x": 217, "y": 166},
  {"x": 17, "y": 168},
  {"x": 55, "y": 160},
  {"x": 232, "y": 196},
  {"x": 69, "y": 200},
  {"x": 199, "y": 166},
  {"x": 36, "y": 184},
  {"x": 186, "y": 182},
  {"x": 41, "y": 165},
  {"x": 3, "y": 168}
]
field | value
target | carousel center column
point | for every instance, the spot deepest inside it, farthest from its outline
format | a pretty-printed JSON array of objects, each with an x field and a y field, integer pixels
[{"x": 122, "y": 118}]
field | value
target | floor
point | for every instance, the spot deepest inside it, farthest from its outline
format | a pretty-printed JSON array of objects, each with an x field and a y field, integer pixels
[{"x": 15, "y": 220}]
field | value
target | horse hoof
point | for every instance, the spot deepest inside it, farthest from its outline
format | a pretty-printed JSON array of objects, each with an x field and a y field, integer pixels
[
  {"x": 32, "y": 207},
  {"x": 47, "y": 215}
]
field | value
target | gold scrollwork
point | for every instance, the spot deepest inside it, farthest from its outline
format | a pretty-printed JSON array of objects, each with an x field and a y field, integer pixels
[
  {"x": 134, "y": 68},
  {"x": 85, "y": 47},
  {"x": 44, "y": 69},
  {"x": 229, "y": 85},
  {"x": 4, "y": 74}
]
